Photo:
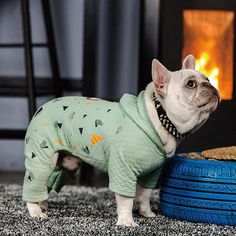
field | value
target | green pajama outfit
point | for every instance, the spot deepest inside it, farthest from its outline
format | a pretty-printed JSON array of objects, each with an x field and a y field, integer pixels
[{"x": 116, "y": 137}]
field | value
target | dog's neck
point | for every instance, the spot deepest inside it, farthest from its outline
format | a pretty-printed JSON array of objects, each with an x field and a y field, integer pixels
[
  {"x": 169, "y": 141},
  {"x": 165, "y": 121}
]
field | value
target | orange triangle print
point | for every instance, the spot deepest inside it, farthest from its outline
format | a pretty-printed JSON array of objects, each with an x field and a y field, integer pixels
[
  {"x": 58, "y": 141},
  {"x": 96, "y": 138}
]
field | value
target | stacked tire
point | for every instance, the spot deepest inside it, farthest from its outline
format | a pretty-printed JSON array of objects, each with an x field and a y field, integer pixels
[{"x": 199, "y": 190}]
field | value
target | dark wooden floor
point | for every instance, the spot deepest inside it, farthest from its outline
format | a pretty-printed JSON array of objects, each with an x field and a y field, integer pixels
[{"x": 10, "y": 177}]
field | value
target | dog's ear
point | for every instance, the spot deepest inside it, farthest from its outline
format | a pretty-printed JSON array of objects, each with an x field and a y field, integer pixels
[
  {"x": 189, "y": 62},
  {"x": 160, "y": 77}
]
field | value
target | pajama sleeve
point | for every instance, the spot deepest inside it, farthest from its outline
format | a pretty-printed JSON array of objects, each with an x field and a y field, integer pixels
[
  {"x": 59, "y": 177},
  {"x": 133, "y": 160},
  {"x": 122, "y": 178}
]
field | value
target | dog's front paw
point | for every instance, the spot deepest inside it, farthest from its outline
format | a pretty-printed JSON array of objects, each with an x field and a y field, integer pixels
[
  {"x": 126, "y": 221},
  {"x": 35, "y": 211},
  {"x": 41, "y": 216},
  {"x": 147, "y": 213}
]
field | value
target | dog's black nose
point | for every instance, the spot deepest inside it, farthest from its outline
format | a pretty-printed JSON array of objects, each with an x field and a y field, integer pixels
[{"x": 215, "y": 92}]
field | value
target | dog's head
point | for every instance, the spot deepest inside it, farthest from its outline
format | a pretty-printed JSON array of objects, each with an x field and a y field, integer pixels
[{"x": 186, "y": 95}]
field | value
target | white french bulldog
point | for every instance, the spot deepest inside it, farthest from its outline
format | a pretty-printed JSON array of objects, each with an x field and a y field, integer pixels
[{"x": 177, "y": 103}]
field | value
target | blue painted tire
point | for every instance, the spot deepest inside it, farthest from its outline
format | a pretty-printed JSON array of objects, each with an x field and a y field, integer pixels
[{"x": 199, "y": 190}]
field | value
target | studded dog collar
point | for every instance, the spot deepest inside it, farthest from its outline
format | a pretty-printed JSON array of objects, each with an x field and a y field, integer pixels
[{"x": 165, "y": 121}]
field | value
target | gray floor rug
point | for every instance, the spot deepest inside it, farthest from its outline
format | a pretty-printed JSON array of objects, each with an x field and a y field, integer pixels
[{"x": 89, "y": 211}]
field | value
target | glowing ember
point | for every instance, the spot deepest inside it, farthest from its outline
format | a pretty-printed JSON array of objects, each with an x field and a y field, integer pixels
[{"x": 202, "y": 65}]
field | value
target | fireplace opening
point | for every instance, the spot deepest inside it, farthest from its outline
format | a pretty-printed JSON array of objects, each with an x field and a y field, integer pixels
[
  {"x": 205, "y": 29},
  {"x": 209, "y": 36}
]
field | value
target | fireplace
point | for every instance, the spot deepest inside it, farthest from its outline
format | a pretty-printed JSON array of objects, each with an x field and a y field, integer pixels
[
  {"x": 209, "y": 35},
  {"x": 206, "y": 29}
]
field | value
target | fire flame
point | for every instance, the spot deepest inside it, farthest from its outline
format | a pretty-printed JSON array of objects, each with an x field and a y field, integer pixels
[{"x": 212, "y": 73}]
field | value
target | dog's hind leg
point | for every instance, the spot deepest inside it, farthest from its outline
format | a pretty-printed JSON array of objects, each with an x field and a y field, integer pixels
[
  {"x": 143, "y": 198},
  {"x": 37, "y": 173},
  {"x": 66, "y": 167}
]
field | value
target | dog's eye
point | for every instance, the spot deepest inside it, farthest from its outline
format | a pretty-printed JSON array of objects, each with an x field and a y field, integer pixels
[{"x": 191, "y": 84}]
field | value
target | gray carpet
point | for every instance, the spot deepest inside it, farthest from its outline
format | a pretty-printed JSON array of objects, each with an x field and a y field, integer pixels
[{"x": 89, "y": 211}]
